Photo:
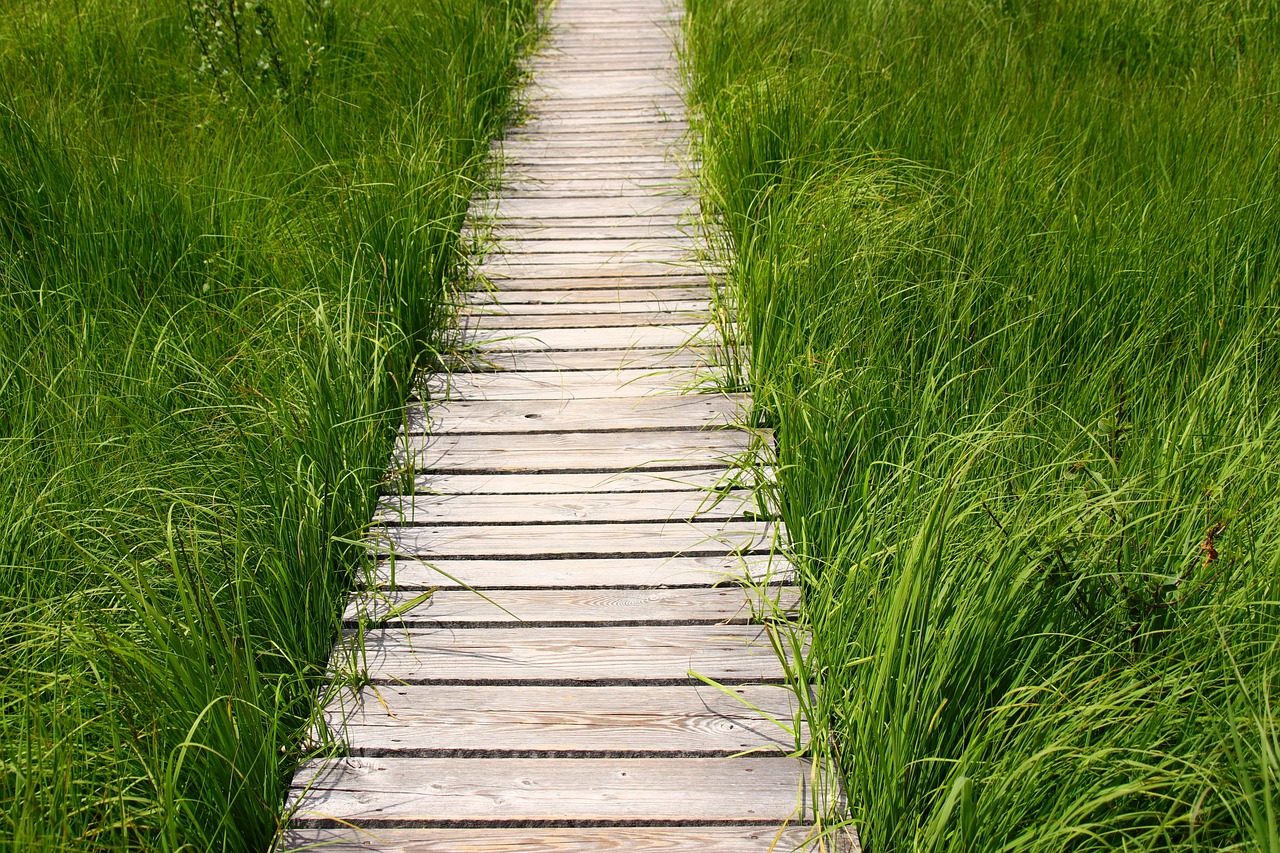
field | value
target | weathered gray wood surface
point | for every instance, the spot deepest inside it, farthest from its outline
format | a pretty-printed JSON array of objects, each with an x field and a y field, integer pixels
[
  {"x": 568, "y": 506},
  {"x": 516, "y": 790},
  {"x": 692, "y": 411},
  {"x": 695, "y": 479},
  {"x": 632, "y": 719},
  {"x": 574, "y": 530},
  {"x": 605, "y": 653},
  {"x": 573, "y": 451},
  {"x": 579, "y": 572},
  {"x": 612, "y": 839},
  {"x": 453, "y": 608}
]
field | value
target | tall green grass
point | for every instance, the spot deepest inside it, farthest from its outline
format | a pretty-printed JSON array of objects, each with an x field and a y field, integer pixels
[
  {"x": 226, "y": 231},
  {"x": 1008, "y": 279}
]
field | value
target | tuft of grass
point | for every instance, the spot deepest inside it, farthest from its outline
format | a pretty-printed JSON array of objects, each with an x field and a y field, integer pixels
[
  {"x": 220, "y": 267},
  {"x": 1009, "y": 278}
]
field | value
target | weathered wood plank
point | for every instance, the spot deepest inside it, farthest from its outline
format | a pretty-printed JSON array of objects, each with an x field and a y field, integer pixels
[
  {"x": 614, "y": 482},
  {"x": 580, "y": 573},
  {"x": 581, "y": 384},
  {"x": 611, "y": 539},
  {"x": 562, "y": 303},
  {"x": 560, "y": 251},
  {"x": 605, "y": 268},
  {"x": 614, "y": 205},
  {"x": 677, "y": 718},
  {"x": 568, "y": 361},
  {"x": 546, "y": 452},
  {"x": 585, "y": 300},
  {"x": 692, "y": 411},
  {"x": 611, "y": 338},
  {"x": 517, "y": 790},
  {"x": 553, "y": 655},
  {"x": 672, "y": 278},
  {"x": 579, "y": 243},
  {"x": 568, "y": 190},
  {"x": 580, "y": 320},
  {"x": 567, "y": 507},
  {"x": 560, "y": 607},
  {"x": 613, "y": 839}
]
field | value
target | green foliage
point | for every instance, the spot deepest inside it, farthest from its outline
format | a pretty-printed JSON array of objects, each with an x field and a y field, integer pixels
[
  {"x": 1009, "y": 276},
  {"x": 220, "y": 268}
]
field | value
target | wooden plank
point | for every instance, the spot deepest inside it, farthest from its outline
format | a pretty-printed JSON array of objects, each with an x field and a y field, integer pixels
[
  {"x": 610, "y": 451},
  {"x": 611, "y": 539},
  {"x": 584, "y": 299},
  {"x": 581, "y": 384},
  {"x": 613, "y": 839},
  {"x": 656, "y": 720},
  {"x": 610, "y": 338},
  {"x": 580, "y": 320},
  {"x": 652, "y": 106},
  {"x": 660, "y": 277},
  {"x": 564, "y": 607},
  {"x": 618, "y": 187},
  {"x": 667, "y": 256},
  {"x": 504, "y": 269},
  {"x": 570, "y": 360},
  {"x": 554, "y": 655},
  {"x": 519, "y": 790},
  {"x": 581, "y": 573},
  {"x": 657, "y": 227},
  {"x": 568, "y": 506},
  {"x": 615, "y": 205},
  {"x": 514, "y": 311},
  {"x": 593, "y": 160},
  {"x": 615, "y": 482},
  {"x": 692, "y": 411},
  {"x": 610, "y": 245}
]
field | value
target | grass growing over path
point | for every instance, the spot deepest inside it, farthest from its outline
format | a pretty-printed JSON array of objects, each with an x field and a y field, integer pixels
[
  {"x": 226, "y": 229},
  {"x": 1008, "y": 277}
]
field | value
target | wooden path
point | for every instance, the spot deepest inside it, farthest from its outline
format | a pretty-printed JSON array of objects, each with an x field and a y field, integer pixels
[{"x": 582, "y": 474}]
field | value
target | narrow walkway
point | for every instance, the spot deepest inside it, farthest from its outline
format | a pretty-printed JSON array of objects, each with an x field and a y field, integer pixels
[{"x": 576, "y": 478}]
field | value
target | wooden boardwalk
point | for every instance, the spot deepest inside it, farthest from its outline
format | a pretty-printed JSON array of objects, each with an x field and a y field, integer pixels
[{"x": 582, "y": 474}]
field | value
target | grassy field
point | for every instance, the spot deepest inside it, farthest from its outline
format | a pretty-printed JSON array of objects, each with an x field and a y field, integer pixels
[
  {"x": 225, "y": 230},
  {"x": 1007, "y": 274}
]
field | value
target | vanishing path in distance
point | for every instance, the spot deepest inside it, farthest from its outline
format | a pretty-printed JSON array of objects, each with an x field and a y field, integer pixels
[{"x": 581, "y": 473}]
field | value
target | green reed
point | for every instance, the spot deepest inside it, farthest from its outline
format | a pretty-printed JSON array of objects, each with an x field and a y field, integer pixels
[
  {"x": 219, "y": 271},
  {"x": 1008, "y": 278}
]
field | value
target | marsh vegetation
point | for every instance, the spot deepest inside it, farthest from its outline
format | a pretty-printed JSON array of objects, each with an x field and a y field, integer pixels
[
  {"x": 1007, "y": 274},
  {"x": 226, "y": 228}
]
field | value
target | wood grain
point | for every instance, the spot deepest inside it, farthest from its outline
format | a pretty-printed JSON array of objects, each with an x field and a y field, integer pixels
[
  {"x": 670, "y": 538},
  {"x": 690, "y": 411},
  {"x": 579, "y": 654},
  {"x": 592, "y": 359},
  {"x": 584, "y": 299},
  {"x": 596, "y": 483},
  {"x": 729, "y": 605},
  {"x": 531, "y": 385},
  {"x": 620, "y": 338},
  {"x": 579, "y": 320},
  {"x": 516, "y": 790},
  {"x": 607, "y": 451},
  {"x": 583, "y": 506},
  {"x": 656, "y": 720},
  {"x": 580, "y": 572},
  {"x": 613, "y": 839}
]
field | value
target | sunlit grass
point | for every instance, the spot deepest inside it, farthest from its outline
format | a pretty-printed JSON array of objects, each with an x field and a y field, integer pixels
[
  {"x": 218, "y": 275},
  {"x": 1007, "y": 274}
]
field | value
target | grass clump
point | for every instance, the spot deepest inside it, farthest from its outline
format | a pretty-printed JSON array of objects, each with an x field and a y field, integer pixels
[
  {"x": 1007, "y": 274},
  {"x": 226, "y": 231}
]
